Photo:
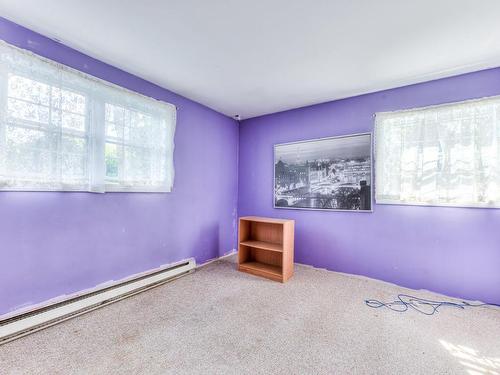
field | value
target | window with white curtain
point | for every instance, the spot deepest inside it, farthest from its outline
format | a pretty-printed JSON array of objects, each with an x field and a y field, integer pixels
[
  {"x": 447, "y": 155},
  {"x": 63, "y": 130}
]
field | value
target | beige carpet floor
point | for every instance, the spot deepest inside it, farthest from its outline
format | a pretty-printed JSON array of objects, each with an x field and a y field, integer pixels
[{"x": 220, "y": 321}]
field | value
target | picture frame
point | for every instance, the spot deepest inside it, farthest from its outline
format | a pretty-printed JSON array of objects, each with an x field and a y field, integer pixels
[{"x": 327, "y": 174}]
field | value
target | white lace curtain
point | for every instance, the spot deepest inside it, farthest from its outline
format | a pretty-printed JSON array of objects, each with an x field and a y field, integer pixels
[
  {"x": 441, "y": 155},
  {"x": 61, "y": 129}
]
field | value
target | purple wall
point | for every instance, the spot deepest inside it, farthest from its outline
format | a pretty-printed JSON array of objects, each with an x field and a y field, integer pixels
[
  {"x": 59, "y": 243},
  {"x": 455, "y": 251}
]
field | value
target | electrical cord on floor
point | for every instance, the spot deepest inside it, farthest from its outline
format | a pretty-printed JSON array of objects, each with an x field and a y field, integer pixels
[{"x": 422, "y": 305}]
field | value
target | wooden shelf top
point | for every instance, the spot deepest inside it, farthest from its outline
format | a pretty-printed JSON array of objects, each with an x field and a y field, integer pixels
[
  {"x": 262, "y": 267},
  {"x": 264, "y": 245},
  {"x": 265, "y": 219}
]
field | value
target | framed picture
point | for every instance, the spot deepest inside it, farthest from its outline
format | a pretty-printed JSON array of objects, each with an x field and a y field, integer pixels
[{"x": 324, "y": 174}]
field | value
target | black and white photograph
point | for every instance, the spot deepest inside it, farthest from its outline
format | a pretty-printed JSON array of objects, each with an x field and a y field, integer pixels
[{"x": 324, "y": 174}]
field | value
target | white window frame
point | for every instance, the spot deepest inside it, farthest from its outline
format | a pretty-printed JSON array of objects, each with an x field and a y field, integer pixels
[
  {"x": 97, "y": 93},
  {"x": 380, "y": 117}
]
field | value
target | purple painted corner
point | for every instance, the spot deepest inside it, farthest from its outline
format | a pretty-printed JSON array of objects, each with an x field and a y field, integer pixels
[{"x": 455, "y": 251}]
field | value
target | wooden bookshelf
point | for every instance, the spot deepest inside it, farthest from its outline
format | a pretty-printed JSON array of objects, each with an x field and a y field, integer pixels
[{"x": 265, "y": 247}]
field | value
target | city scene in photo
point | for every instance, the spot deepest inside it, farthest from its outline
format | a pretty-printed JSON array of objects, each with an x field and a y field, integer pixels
[{"x": 330, "y": 173}]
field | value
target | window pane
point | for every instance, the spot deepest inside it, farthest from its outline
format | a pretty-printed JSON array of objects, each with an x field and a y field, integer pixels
[
  {"x": 23, "y": 110},
  {"x": 44, "y": 156},
  {"x": 115, "y": 114},
  {"x": 136, "y": 155},
  {"x": 29, "y": 90},
  {"x": 114, "y": 130},
  {"x": 140, "y": 130},
  {"x": 137, "y": 163},
  {"x": 74, "y": 145},
  {"x": 28, "y": 152},
  {"x": 68, "y": 101},
  {"x": 111, "y": 157},
  {"x": 445, "y": 155},
  {"x": 72, "y": 121},
  {"x": 74, "y": 165}
]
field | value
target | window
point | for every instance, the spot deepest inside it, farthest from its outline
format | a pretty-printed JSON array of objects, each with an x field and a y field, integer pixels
[
  {"x": 446, "y": 155},
  {"x": 63, "y": 130},
  {"x": 135, "y": 148}
]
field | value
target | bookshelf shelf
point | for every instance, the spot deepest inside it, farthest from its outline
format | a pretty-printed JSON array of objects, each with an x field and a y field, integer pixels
[
  {"x": 265, "y": 247},
  {"x": 262, "y": 267}
]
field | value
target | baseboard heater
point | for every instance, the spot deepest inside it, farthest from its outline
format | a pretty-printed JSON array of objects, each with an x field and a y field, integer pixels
[{"x": 26, "y": 323}]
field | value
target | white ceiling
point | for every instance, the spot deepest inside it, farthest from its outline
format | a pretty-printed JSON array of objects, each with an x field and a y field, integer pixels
[{"x": 256, "y": 57}]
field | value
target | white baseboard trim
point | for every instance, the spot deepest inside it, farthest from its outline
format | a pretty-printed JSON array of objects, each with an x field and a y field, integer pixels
[{"x": 18, "y": 326}]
